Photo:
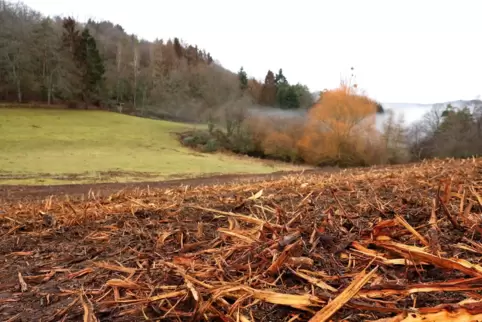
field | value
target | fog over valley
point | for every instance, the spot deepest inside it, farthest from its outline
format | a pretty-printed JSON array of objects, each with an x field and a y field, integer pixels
[{"x": 411, "y": 112}]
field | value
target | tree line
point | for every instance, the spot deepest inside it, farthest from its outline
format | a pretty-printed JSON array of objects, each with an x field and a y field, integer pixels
[
  {"x": 448, "y": 131},
  {"x": 276, "y": 91},
  {"x": 340, "y": 129},
  {"x": 60, "y": 60}
]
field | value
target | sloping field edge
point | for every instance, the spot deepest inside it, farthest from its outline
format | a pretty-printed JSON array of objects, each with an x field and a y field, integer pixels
[
  {"x": 34, "y": 192},
  {"x": 15, "y": 192}
]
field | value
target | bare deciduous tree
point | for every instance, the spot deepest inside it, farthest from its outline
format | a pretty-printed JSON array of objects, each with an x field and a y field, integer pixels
[{"x": 395, "y": 138}]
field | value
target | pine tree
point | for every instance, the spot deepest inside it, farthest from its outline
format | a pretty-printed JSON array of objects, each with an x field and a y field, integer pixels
[
  {"x": 191, "y": 55},
  {"x": 291, "y": 99},
  {"x": 210, "y": 59},
  {"x": 92, "y": 66},
  {"x": 280, "y": 79},
  {"x": 268, "y": 93},
  {"x": 70, "y": 36},
  {"x": 178, "y": 48},
  {"x": 243, "y": 79},
  {"x": 72, "y": 67}
]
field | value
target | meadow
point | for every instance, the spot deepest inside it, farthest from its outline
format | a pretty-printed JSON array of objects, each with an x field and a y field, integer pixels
[{"x": 54, "y": 146}]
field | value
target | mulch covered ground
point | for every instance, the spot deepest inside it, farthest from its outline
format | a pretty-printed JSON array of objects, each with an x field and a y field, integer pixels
[
  {"x": 31, "y": 192},
  {"x": 400, "y": 244}
]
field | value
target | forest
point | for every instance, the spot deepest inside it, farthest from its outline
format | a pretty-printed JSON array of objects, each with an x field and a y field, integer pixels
[
  {"x": 98, "y": 65},
  {"x": 60, "y": 61}
]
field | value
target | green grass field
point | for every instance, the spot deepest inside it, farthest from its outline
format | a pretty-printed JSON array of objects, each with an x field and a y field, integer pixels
[{"x": 42, "y": 146}]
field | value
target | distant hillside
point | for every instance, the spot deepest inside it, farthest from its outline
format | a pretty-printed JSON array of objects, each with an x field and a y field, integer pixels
[
  {"x": 96, "y": 63},
  {"x": 414, "y": 111},
  {"x": 463, "y": 103}
]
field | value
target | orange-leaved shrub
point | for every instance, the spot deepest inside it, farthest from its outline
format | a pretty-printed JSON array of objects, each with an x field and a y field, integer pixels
[
  {"x": 281, "y": 146},
  {"x": 340, "y": 129}
]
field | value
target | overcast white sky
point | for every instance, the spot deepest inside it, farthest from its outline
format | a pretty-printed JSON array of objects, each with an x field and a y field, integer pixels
[{"x": 410, "y": 51}]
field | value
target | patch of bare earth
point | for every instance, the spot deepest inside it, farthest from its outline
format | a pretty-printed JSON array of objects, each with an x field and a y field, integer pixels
[
  {"x": 10, "y": 192},
  {"x": 390, "y": 244}
]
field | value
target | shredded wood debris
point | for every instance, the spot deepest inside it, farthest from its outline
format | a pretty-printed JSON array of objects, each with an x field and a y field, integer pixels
[{"x": 400, "y": 243}]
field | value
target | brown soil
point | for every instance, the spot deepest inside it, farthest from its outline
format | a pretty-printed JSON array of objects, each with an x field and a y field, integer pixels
[
  {"x": 407, "y": 242},
  {"x": 15, "y": 192}
]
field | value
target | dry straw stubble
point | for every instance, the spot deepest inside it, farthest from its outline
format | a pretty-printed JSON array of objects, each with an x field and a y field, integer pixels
[{"x": 363, "y": 244}]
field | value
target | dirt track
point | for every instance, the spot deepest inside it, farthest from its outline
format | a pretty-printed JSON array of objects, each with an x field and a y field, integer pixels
[{"x": 16, "y": 192}]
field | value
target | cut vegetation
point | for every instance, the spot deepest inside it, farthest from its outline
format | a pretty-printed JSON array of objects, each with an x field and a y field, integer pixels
[
  {"x": 386, "y": 245},
  {"x": 53, "y": 146}
]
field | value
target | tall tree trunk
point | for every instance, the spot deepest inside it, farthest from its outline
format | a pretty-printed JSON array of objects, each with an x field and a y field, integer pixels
[
  {"x": 19, "y": 91},
  {"x": 49, "y": 87},
  {"x": 119, "y": 61},
  {"x": 17, "y": 83},
  {"x": 135, "y": 63},
  {"x": 144, "y": 94},
  {"x": 16, "y": 78}
]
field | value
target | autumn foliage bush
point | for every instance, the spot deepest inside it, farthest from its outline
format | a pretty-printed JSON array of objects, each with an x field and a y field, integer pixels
[{"x": 339, "y": 129}]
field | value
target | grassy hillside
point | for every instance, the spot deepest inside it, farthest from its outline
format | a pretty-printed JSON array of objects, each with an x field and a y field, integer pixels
[{"x": 71, "y": 146}]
